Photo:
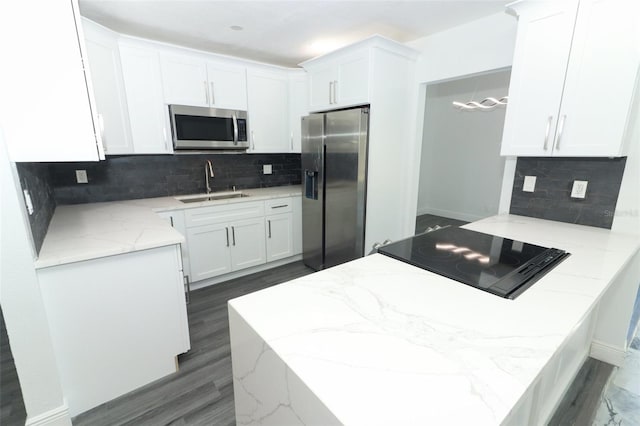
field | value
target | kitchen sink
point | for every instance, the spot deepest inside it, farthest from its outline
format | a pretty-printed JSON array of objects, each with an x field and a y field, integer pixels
[{"x": 211, "y": 197}]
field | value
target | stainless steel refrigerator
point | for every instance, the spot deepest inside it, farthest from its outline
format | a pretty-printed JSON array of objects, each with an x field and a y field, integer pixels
[{"x": 334, "y": 178}]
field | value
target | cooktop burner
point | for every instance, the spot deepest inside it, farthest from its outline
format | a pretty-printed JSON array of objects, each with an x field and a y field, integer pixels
[{"x": 498, "y": 265}]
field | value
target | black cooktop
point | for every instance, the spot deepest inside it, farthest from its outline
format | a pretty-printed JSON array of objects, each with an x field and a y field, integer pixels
[{"x": 498, "y": 265}]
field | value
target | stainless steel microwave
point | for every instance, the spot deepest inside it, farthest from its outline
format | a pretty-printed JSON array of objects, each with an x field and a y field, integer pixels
[{"x": 203, "y": 128}]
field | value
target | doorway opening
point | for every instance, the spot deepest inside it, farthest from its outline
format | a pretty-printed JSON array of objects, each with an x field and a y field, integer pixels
[{"x": 461, "y": 169}]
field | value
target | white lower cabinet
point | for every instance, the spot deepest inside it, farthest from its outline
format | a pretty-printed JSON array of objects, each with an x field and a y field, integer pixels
[
  {"x": 225, "y": 238},
  {"x": 211, "y": 248},
  {"x": 117, "y": 323},
  {"x": 279, "y": 236},
  {"x": 247, "y": 243},
  {"x": 232, "y": 237}
]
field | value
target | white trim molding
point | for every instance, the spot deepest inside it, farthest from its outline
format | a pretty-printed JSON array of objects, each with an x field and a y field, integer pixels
[
  {"x": 607, "y": 353},
  {"x": 59, "y": 416}
]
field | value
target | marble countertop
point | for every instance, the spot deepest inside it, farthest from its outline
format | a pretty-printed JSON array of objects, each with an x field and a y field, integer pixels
[
  {"x": 379, "y": 341},
  {"x": 88, "y": 231}
]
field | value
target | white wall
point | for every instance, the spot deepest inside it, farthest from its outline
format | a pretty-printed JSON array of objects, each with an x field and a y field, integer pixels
[
  {"x": 476, "y": 47},
  {"x": 627, "y": 215},
  {"x": 461, "y": 168},
  {"x": 23, "y": 308}
]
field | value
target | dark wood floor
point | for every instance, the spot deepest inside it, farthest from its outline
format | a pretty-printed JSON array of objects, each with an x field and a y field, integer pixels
[{"x": 201, "y": 393}]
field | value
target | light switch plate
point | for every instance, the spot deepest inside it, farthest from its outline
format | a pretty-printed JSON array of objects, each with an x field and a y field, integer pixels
[
  {"x": 267, "y": 169},
  {"x": 529, "y": 184},
  {"x": 81, "y": 176},
  {"x": 579, "y": 189}
]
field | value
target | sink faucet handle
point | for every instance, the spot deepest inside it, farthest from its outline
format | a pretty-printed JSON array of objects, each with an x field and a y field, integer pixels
[{"x": 210, "y": 168}]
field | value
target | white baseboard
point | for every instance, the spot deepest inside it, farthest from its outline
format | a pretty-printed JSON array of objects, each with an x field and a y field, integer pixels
[
  {"x": 226, "y": 277},
  {"x": 59, "y": 416},
  {"x": 607, "y": 353}
]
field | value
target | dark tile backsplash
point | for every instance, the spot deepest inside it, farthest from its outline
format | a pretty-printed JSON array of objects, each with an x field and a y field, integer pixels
[
  {"x": 35, "y": 178},
  {"x": 552, "y": 196},
  {"x": 144, "y": 176}
]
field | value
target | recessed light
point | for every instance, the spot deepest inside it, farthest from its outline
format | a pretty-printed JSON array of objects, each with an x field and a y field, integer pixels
[{"x": 236, "y": 28}]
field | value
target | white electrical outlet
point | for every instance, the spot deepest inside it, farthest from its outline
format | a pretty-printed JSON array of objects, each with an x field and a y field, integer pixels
[
  {"x": 81, "y": 176},
  {"x": 267, "y": 169},
  {"x": 529, "y": 184},
  {"x": 579, "y": 189}
]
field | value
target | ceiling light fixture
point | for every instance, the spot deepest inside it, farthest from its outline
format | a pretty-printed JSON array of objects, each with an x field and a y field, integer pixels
[{"x": 236, "y": 28}]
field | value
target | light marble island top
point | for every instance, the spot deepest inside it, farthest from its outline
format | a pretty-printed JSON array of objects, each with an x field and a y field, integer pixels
[
  {"x": 380, "y": 342},
  {"x": 88, "y": 231}
]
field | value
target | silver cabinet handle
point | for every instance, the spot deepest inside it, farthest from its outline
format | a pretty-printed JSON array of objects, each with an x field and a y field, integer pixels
[
  {"x": 280, "y": 206},
  {"x": 187, "y": 282},
  {"x": 233, "y": 234},
  {"x": 206, "y": 91},
  {"x": 546, "y": 134},
  {"x": 331, "y": 92},
  {"x": 291, "y": 141},
  {"x": 227, "y": 229},
  {"x": 335, "y": 92},
  {"x": 560, "y": 131},
  {"x": 235, "y": 129},
  {"x": 213, "y": 95},
  {"x": 171, "y": 220},
  {"x": 253, "y": 140},
  {"x": 269, "y": 223}
]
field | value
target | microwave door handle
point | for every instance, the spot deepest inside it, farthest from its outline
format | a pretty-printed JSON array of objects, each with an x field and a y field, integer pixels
[{"x": 235, "y": 130}]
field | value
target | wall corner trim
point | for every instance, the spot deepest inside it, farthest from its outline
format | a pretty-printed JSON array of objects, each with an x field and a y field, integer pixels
[
  {"x": 59, "y": 416},
  {"x": 607, "y": 353}
]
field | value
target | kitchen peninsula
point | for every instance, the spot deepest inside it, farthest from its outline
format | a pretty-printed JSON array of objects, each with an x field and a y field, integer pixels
[
  {"x": 377, "y": 341},
  {"x": 112, "y": 278}
]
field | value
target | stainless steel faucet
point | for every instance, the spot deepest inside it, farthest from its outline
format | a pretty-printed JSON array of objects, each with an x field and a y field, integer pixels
[{"x": 208, "y": 172}]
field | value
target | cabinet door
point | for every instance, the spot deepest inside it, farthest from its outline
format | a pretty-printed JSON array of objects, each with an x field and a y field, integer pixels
[
  {"x": 352, "y": 85},
  {"x": 209, "y": 251},
  {"x": 247, "y": 243},
  {"x": 537, "y": 77},
  {"x": 279, "y": 234},
  {"x": 108, "y": 88},
  {"x": 46, "y": 105},
  {"x": 321, "y": 81},
  {"x": 184, "y": 80},
  {"x": 600, "y": 79},
  {"x": 143, "y": 87},
  {"x": 268, "y": 112},
  {"x": 298, "y": 108},
  {"x": 227, "y": 86}
]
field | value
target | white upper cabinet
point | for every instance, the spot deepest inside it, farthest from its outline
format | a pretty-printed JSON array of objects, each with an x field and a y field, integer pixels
[
  {"x": 143, "y": 86},
  {"x": 573, "y": 78},
  {"x": 46, "y": 111},
  {"x": 185, "y": 81},
  {"x": 191, "y": 80},
  {"x": 338, "y": 81},
  {"x": 268, "y": 111},
  {"x": 108, "y": 88},
  {"x": 298, "y": 108},
  {"x": 601, "y": 79},
  {"x": 228, "y": 86}
]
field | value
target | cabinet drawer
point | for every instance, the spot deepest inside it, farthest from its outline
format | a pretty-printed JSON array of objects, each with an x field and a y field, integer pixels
[
  {"x": 278, "y": 205},
  {"x": 224, "y": 213}
]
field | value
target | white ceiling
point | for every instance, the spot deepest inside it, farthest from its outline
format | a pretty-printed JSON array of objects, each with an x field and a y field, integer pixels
[{"x": 281, "y": 32}]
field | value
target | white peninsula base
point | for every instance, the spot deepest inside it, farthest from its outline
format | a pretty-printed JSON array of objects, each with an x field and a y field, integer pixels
[{"x": 376, "y": 341}]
